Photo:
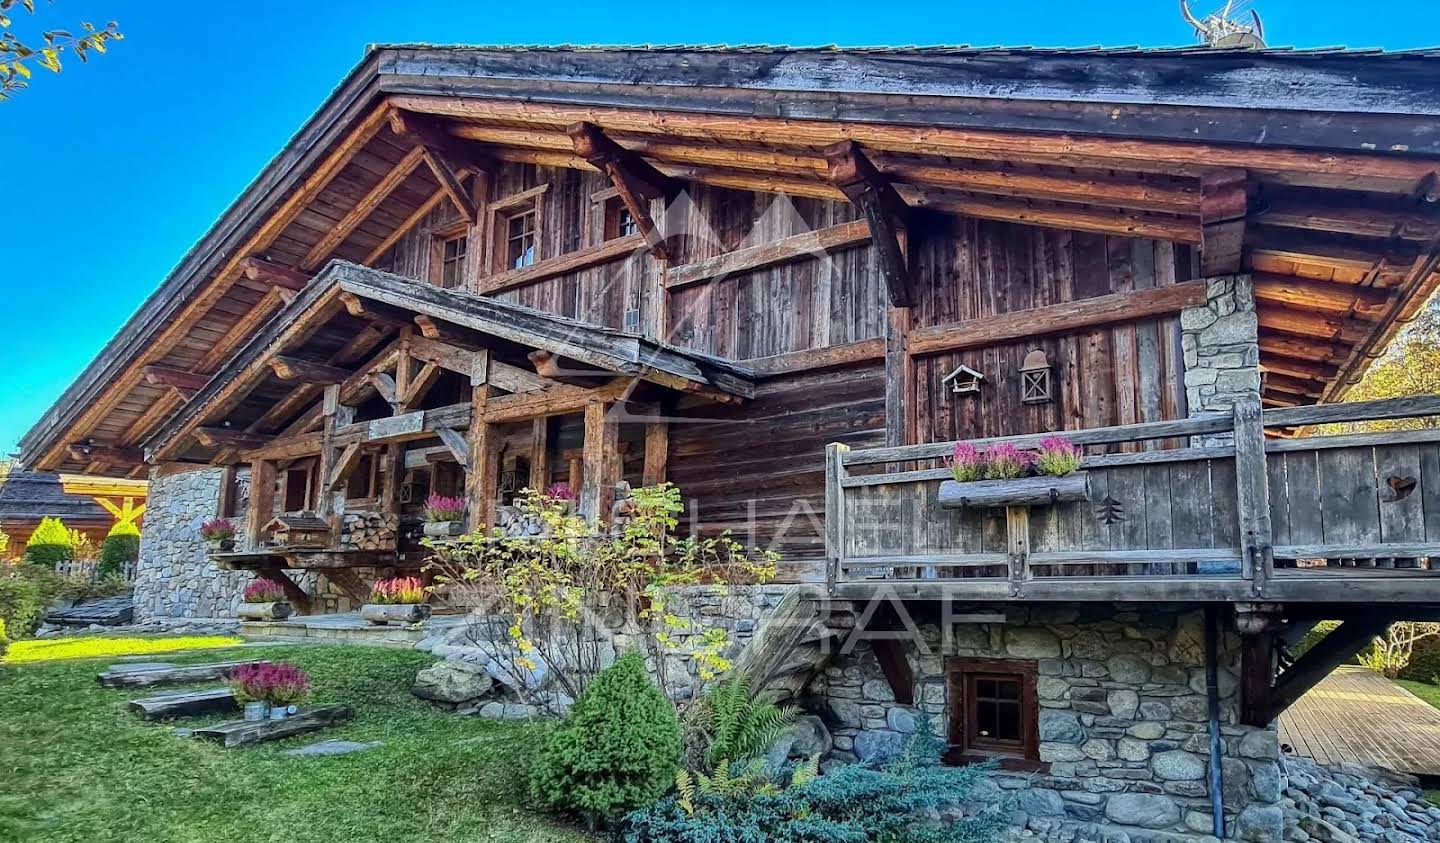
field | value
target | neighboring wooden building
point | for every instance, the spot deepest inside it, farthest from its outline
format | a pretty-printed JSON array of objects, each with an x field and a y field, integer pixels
[
  {"x": 786, "y": 280},
  {"x": 92, "y": 505}
]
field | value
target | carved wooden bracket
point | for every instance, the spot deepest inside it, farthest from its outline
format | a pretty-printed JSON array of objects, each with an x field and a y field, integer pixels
[
  {"x": 634, "y": 179},
  {"x": 888, "y": 214}
]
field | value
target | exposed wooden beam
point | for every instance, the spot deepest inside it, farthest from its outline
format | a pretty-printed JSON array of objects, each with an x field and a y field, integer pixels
[
  {"x": 632, "y": 176},
  {"x": 417, "y": 217},
  {"x": 620, "y": 248},
  {"x": 448, "y": 355},
  {"x": 1327, "y": 249},
  {"x": 420, "y": 384},
  {"x": 882, "y": 207},
  {"x": 1224, "y": 204},
  {"x": 516, "y": 380},
  {"x": 344, "y": 464},
  {"x": 847, "y": 354},
  {"x": 110, "y": 454},
  {"x": 455, "y": 442},
  {"x": 1067, "y": 317},
  {"x": 1055, "y": 215},
  {"x": 244, "y": 328},
  {"x": 1300, "y": 348},
  {"x": 1308, "y": 323},
  {"x": 450, "y": 182},
  {"x": 385, "y": 385},
  {"x": 310, "y": 371},
  {"x": 1297, "y": 368},
  {"x": 166, "y": 376},
  {"x": 372, "y": 312},
  {"x": 363, "y": 209},
  {"x": 811, "y": 244},
  {"x": 217, "y": 437},
  {"x": 274, "y": 274},
  {"x": 1274, "y": 381},
  {"x": 1368, "y": 302},
  {"x": 436, "y": 136},
  {"x": 1402, "y": 219},
  {"x": 1334, "y": 649}
]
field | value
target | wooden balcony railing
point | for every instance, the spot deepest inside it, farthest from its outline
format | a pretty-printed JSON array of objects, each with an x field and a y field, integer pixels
[{"x": 1232, "y": 515}]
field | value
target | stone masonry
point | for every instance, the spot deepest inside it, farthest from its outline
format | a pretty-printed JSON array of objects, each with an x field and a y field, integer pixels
[
  {"x": 175, "y": 578},
  {"x": 1221, "y": 346},
  {"x": 1123, "y": 721}
]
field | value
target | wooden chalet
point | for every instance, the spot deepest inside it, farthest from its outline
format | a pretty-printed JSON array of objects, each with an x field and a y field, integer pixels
[
  {"x": 92, "y": 505},
  {"x": 477, "y": 269}
]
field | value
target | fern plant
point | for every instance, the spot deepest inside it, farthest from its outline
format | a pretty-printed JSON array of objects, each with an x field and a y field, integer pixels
[{"x": 733, "y": 727}]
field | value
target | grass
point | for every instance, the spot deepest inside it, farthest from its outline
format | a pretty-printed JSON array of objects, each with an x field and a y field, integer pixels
[
  {"x": 1424, "y": 690},
  {"x": 60, "y": 649},
  {"x": 76, "y": 766}
]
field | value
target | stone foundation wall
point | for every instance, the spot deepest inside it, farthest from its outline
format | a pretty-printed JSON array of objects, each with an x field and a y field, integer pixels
[
  {"x": 1220, "y": 341},
  {"x": 175, "y": 578},
  {"x": 1123, "y": 721}
]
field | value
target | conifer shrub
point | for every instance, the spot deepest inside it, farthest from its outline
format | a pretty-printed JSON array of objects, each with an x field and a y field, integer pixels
[
  {"x": 617, "y": 750},
  {"x": 4, "y": 642},
  {"x": 857, "y": 803},
  {"x": 21, "y": 601},
  {"x": 118, "y": 550},
  {"x": 50, "y": 544}
]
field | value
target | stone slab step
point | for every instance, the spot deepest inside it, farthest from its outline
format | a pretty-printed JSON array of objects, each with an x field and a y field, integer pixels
[
  {"x": 246, "y": 732},
  {"x": 185, "y": 704},
  {"x": 127, "y": 677},
  {"x": 331, "y": 747},
  {"x": 106, "y": 611}
]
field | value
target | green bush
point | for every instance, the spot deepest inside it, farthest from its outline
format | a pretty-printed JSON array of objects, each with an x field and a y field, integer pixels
[
  {"x": 21, "y": 602},
  {"x": 617, "y": 750},
  {"x": 857, "y": 803},
  {"x": 4, "y": 642},
  {"x": 118, "y": 550},
  {"x": 727, "y": 726},
  {"x": 1424, "y": 663},
  {"x": 50, "y": 544}
]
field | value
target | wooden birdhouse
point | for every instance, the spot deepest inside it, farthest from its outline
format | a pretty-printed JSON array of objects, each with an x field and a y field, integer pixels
[
  {"x": 298, "y": 529},
  {"x": 1035, "y": 380},
  {"x": 963, "y": 381}
]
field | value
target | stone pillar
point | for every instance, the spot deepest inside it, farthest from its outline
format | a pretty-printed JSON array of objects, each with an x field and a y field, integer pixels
[
  {"x": 175, "y": 577},
  {"x": 1222, "y": 350}
]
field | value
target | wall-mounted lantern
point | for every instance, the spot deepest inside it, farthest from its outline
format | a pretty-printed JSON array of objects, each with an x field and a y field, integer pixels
[
  {"x": 963, "y": 381},
  {"x": 1035, "y": 382}
]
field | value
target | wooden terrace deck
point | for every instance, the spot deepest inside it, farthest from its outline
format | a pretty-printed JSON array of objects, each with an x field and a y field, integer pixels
[{"x": 1358, "y": 716}]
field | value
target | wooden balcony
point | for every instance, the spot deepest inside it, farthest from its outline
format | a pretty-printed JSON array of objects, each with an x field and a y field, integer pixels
[{"x": 1248, "y": 517}]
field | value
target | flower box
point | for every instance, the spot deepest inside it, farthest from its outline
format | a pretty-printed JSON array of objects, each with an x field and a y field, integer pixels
[
  {"x": 401, "y": 613},
  {"x": 442, "y": 529},
  {"x": 277, "y": 610},
  {"x": 1020, "y": 491}
]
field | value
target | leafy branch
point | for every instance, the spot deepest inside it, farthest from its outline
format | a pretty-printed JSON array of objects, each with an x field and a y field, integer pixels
[{"x": 16, "y": 55}]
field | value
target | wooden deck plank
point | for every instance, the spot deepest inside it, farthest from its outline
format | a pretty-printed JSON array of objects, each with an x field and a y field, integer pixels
[{"x": 1353, "y": 716}]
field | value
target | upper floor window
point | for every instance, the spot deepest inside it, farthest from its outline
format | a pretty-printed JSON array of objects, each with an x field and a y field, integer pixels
[
  {"x": 452, "y": 261},
  {"x": 520, "y": 238},
  {"x": 618, "y": 221}
]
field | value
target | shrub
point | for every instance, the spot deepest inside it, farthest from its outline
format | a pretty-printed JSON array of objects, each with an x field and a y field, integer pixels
[
  {"x": 617, "y": 750},
  {"x": 440, "y": 509},
  {"x": 1424, "y": 662},
  {"x": 263, "y": 591},
  {"x": 50, "y": 544},
  {"x": 1057, "y": 456},
  {"x": 217, "y": 529},
  {"x": 280, "y": 684},
  {"x": 857, "y": 803},
  {"x": 22, "y": 602},
  {"x": 4, "y": 642},
  {"x": 117, "y": 551},
  {"x": 398, "y": 590}
]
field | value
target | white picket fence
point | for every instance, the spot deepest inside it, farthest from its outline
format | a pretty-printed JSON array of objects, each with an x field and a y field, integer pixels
[{"x": 85, "y": 569}]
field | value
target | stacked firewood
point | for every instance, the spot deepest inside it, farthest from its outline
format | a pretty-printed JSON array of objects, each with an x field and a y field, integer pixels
[{"x": 369, "y": 531}]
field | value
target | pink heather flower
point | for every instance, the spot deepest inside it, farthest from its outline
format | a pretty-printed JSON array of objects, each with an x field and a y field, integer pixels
[
  {"x": 263, "y": 591},
  {"x": 398, "y": 590},
  {"x": 1004, "y": 461},
  {"x": 1058, "y": 456},
  {"x": 440, "y": 508},
  {"x": 560, "y": 492},
  {"x": 217, "y": 528},
  {"x": 967, "y": 463}
]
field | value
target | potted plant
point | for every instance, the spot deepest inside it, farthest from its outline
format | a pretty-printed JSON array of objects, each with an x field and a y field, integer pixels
[
  {"x": 289, "y": 686},
  {"x": 444, "y": 516},
  {"x": 397, "y": 600},
  {"x": 268, "y": 691},
  {"x": 264, "y": 600},
  {"x": 219, "y": 533},
  {"x": 1005, "y": 475}
]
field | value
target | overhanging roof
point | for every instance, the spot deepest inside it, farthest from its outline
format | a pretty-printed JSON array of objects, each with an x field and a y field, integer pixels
[{"x": 1372, "y": 114}]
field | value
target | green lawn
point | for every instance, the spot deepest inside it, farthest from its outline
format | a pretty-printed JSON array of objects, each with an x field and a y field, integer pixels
[
  {"x": 76, "y": 766},
  {"x": 1424, "y": 690}
]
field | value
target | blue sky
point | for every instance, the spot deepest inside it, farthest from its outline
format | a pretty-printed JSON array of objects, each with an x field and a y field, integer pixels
[{"x": 113, "y": 169}]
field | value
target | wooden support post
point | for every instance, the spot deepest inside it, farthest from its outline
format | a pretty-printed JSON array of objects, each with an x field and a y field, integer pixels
[
  {"x": 262, "y": 501},
  {"x": 1017, "y": 533},
  {"x": 331, "y": 504},
  {"x": 890, "y": 653},
  {"x": 480, "y": 477},
  {"x": 888, "y": 214},
  {"x": 1257, "y": 673},
  {"x": 1224, "y": 204},
  {"x": 834, "y": 512},
  {"x": 600, "y": 453},
  {"x": 1253, "y": 496},
  {"x": 1336, "y": 648},
  {"x": 657, "y": 450},
  {"x": 899, "y": 380},
  {"x": 540, "y": 454}
]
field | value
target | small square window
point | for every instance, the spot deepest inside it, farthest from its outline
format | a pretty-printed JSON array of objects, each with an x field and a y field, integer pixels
[
  {"x": 993, "y": 709},
  {"x": 520, "y": 239}
]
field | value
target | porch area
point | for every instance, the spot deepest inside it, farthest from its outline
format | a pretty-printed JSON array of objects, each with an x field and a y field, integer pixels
[
  {"x": 1218, "y": 507},
  {"x": 1355, "y": 716}
]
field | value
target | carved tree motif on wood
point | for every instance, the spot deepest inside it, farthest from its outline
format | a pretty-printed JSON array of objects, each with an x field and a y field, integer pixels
[{"x": 1110, "y": 510}]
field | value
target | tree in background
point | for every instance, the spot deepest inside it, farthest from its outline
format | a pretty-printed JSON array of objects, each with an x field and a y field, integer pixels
[
  {"x": 1409, "y": 366},
  {"x": 50, "y": 544},
  {"x": 19, "y": 57}
]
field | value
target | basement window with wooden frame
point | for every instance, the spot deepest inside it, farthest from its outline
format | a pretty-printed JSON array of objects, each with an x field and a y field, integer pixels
[{"x": 994, "y": 713}]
